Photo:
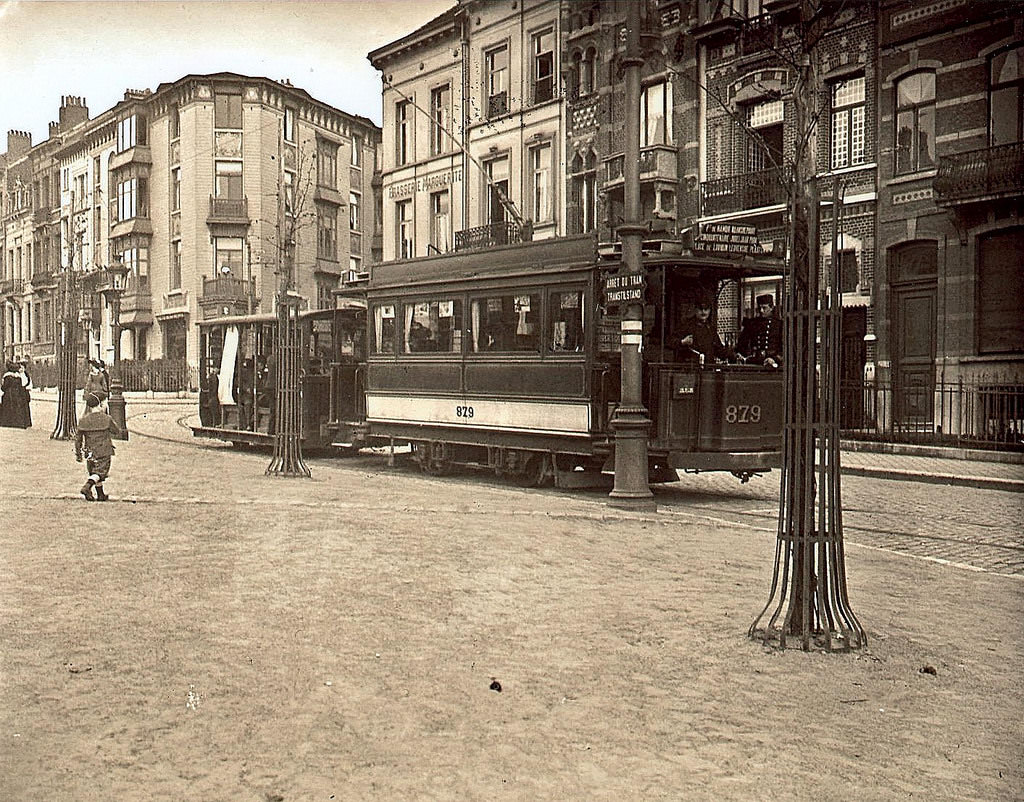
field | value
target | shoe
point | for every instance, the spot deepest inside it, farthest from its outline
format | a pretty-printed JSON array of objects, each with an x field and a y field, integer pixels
[
  {"x": 86, "y": 491},
  {"x": 101, "y": 494}
]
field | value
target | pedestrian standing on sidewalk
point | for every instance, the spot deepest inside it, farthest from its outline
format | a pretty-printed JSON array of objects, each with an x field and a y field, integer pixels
[
  {"x": 26, "y": 382},
  {"x": 14, "y": 412},
  {"x": 95, "y": 430},
  {"x": 96, "y": 382}
]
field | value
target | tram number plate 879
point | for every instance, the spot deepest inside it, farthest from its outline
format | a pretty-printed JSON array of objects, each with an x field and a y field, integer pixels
[
  {"x": 463, "y": 412},
  {"x": 743, "y": 413}
]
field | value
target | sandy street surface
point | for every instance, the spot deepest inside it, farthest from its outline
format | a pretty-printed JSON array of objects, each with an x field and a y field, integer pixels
[{"x": 213, "y": 634}]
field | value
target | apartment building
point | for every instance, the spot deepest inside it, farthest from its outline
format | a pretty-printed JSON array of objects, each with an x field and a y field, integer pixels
[
  {"x": 951, "y": 212},
  {"x": 215, "y": 192},
  {"x": 473, "y": 139}
]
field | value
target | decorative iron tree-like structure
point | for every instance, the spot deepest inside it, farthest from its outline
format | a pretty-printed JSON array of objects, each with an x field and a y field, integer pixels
[
  {"x": 287, "y": 459},
  {"x": 808, "y": 600}
]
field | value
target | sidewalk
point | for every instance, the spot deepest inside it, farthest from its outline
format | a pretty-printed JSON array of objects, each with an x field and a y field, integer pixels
[{"x": 993, "y": 470}]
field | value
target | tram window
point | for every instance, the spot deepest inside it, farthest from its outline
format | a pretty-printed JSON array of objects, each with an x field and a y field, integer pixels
[
  {"x": 434, "y": 325},
  {"x": 384, "y": 329},
  {"x": 566, "y": 313},
  {"x": 506, "y": 323}
]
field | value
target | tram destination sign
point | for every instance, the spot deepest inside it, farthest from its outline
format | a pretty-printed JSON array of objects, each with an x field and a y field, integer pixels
[
  {"x": 623, "y": 288},
  {"x": 728, "y": 239}
]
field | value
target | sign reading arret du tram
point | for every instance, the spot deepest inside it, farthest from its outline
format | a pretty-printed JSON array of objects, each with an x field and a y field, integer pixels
[
  {"x": 728, "y": 239},
  {"x": 624, "y": 288}
]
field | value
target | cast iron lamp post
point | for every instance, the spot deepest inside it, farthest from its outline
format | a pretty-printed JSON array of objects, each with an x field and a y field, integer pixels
[{"x": 116, "y": 275}]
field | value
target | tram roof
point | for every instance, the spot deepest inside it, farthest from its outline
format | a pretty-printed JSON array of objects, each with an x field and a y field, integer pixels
[
  {"x": 552, "y": 256},
  {"x": 526, "y": 257}
]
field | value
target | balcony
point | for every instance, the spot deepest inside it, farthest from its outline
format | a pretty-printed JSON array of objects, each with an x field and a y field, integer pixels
[
  {"x": 743, "y": 192},
  {"x": 10, "y": 288},
  {"x": 228, "y": 211},
  {"x": 490, "y": 236},
  {"x": 136, "y": 297},
  {"x": 139, "y": 154},
  {"x": 226, "y": 295},
  {"x": 980, "y": 175},
  {"x": 657, "y": 163},
  {"x": 43, "y": 278}
]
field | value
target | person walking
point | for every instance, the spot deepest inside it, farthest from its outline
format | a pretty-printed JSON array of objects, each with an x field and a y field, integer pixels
[
  {"x": 26, "y": 383},
  {"x": 94, "y": 441},
  {"x": 14, "y": 409}
]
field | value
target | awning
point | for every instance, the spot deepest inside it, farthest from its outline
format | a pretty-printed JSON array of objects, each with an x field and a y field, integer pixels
[{"x": 136, "y": 318}]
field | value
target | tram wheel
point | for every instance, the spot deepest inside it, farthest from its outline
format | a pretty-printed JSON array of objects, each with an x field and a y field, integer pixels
[
  {"x": 433, "y": 461},
  {"x": 533, "y": 471}
]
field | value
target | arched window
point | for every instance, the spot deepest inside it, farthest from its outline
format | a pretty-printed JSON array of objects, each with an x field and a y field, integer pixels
[
  {"x": 915, "y": 122},
  {"x": 1006, "y": 96},
  {"x": 588, "y": 71}
]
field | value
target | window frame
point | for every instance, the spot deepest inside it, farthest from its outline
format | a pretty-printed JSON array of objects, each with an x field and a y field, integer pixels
[
  {"x": 1000, "y": 87},
  {"x": 915, "y": 109},
  {"x": 404, "y": 225},
  {"x": 436, "y": 216},
  {"x": 411, "y": 312},
  {"x": 846, "y": 110},
  {"x": 542, "y": 85},
  {"x": 290, "y": 120},
  {"x": 492, "y": 106},
  {"x": 226, "y": 110},
  {"x": 646, "y": 120},
  {"x": 541, "y": 166},
  {"x": 327, "y": 232},
  {"x": 440, "y": 118},
  {"x": 327, "y": 163},
  {"x": 403, "y": 133}
]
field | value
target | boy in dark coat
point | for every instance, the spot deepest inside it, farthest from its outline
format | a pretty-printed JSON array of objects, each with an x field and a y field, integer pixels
[{"x": 94, "y": 439}]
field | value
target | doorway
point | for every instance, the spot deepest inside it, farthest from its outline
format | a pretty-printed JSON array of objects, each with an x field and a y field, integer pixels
[{"x": 914, "y": 299}]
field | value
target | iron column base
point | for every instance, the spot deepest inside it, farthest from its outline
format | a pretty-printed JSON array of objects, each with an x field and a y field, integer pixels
[
  {"x": 631, "y": 491},
  {"x": 115, "y": 406}
]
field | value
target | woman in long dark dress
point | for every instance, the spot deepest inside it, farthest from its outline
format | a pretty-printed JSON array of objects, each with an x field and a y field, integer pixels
[{"x": 14, "y": 404}]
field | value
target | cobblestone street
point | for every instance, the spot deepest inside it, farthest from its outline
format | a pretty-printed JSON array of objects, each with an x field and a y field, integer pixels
[{"x": 216, "y": 634}]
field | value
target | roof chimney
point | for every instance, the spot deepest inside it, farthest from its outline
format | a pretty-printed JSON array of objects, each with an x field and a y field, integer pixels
[
  {"x": 18, "y": 144},
  {"x": 73, "y": 111}
]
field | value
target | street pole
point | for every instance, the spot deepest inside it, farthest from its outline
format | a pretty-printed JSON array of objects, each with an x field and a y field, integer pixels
[
  {"x": 630, "y": 422},
  {"x": 116, "y": 402},
  {"x": 66, "y": 425}
]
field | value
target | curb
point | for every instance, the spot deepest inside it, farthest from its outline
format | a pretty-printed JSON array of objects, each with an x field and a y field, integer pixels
[{"x": 979, "y": 482}]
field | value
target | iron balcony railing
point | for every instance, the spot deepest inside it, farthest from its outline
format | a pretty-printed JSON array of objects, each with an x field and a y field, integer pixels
[
  {"x": 488, "y": 236},
  {"x": 746, "y": 191},
  {"x": 12, "y": 286},
  {"x": 657, "y": 162},
  {"x": 964, "y": 414},
  {"x": 980, "y": 173},
  {"x": 228, "y": 210},
  {"x": 227, "y": 288}
]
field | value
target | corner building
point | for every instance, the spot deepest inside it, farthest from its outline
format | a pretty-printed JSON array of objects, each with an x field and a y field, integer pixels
[{"x": 192, "y": 187}]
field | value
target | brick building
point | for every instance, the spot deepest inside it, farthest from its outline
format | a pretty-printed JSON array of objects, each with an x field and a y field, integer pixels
[{"x": 191, "y": 187}]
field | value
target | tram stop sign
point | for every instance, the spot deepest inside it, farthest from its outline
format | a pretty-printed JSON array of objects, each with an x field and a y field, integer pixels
[{"x": 624, "y": 288}]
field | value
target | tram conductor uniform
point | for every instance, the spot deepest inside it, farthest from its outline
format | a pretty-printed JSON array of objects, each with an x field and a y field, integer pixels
[{"x": 761, "y": 337}]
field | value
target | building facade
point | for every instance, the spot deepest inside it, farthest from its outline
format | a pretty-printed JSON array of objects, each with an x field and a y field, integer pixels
[
  {"x": 915, "y": 155},
  {"x": 473, "y": 143},
  {"x": 214, "y": 192}
]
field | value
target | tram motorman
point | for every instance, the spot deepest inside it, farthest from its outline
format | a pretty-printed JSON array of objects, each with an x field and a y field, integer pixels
[
  {"x": 697, "y": 337},
  {"x": 760, "y": 339}
]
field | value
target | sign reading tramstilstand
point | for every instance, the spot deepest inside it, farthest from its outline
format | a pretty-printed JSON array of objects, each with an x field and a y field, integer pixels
[
  {"x": 623, "y": 288},
  {"x": 728, "y": 239}
]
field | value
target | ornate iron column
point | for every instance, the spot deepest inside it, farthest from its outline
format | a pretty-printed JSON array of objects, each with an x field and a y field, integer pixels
[
  {"x": 630, "y": 422},
  {"x": 66, "y": 425},
  {"x": 811, "y": 607},
  {"x": 117, "y": 273}
]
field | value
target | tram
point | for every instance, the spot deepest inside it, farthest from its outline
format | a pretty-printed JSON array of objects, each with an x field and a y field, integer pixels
[
  {"x": 236, "y": 399},
  {"x": 509, "y": 360}
]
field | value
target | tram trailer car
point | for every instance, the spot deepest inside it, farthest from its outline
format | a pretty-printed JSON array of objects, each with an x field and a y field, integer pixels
[
  {"x": 237, "y": 390},
  {"x": 509, "y": 360}
]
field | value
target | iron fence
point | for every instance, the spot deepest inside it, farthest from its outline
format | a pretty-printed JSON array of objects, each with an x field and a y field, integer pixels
[
  {"x": 158, "y": 375},
  {"x": 964, "y": 414}
]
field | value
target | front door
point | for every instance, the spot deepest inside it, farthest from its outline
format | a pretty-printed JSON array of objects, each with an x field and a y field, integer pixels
[
  {"x": 851, "y": 368},
  {"x": 914, "y": 355}
]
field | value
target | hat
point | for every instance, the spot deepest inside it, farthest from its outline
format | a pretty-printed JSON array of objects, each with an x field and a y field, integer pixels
[
  {"x": 96, "y": 363},
  {"x": 92, "y": 400},
  {"x": 12, "y": 366},
  {"x": 765, "y": 299}
]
